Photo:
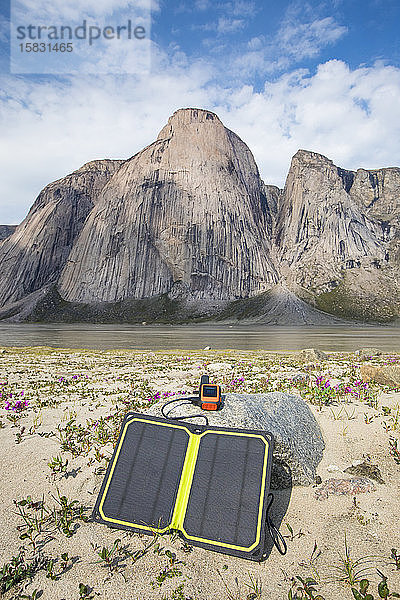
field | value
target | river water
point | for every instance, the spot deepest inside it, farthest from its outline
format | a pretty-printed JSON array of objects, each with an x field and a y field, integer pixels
[{"x": 197, "y": 337}]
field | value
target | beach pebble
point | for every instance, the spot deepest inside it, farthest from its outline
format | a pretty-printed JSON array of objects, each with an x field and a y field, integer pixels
[
  {"x": 299, "y": 377},
  {"x": 344, "y": 487},
  {"x": 332, "y": 468},
  {"x": 365, "y": 469}
]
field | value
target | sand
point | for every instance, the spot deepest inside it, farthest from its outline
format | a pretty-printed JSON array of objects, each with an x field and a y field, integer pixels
[{"x": 82, "y": 386}]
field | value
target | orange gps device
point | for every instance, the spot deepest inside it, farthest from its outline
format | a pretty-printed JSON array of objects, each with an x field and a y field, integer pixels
[{"x": 210, "y": 396}]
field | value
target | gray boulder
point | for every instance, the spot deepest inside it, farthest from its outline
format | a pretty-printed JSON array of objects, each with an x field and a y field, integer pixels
[
  {"x": 298, "y": 438},
  {"x": 310, "y": 355},
  {"x": 365, "y": 353},
  {"x": 387, "y": 375}
]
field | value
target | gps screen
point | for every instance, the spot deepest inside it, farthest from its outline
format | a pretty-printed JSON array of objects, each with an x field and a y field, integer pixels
[{"x": 210, "y": 391}]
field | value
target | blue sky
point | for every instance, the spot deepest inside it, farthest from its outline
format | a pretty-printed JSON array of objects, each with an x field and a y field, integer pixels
[
  {"x": 324, "y": 76},
  {"x": 361, "y": 31}
]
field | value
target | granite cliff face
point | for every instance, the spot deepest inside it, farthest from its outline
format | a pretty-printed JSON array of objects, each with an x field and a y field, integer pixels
[
  {"x": 187, "y": 229},
  {"x": 186, "y": 215},
  {"x": 35, "y": 253},
  {"x": 338, "y": 237}
]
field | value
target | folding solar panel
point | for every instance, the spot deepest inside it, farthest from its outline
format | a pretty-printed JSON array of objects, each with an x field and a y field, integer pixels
[{"x": 209, "y": 483}]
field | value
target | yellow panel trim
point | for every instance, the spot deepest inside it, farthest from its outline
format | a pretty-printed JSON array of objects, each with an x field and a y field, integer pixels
[
  {"x": 129, "y": 523},
  {"x": 261, "y": 503},
  {"x": 185, "y": 485}
]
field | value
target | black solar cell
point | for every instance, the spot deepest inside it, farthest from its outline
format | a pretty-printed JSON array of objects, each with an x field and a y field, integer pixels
[{"x": 209, "y": 483}]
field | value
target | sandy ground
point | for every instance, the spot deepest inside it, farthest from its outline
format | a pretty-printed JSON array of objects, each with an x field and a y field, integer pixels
[{"x": 69, "y": 391}]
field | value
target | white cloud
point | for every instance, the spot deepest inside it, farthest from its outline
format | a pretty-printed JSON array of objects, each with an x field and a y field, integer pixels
[
  {"x": 296, "y": 39},
  {"x": 353, "y": 117},
  {"x": 239, "y": 8},
  {"x": 101, "y": 35},
  {"x": 4, "y": 29},
  {"x": 53, "y": 127},
  {"x": 202, "y": 5},
  {"x": 235, "y": 17},
  {"x": 242, "y": 8},
  {"x": 76, "y": 10},
  {"x": 305, "y": 40},
  {"x": 222, "y": 26},
  {"x": 256, "y": 43},
  {"x": 226, "y": 25}
]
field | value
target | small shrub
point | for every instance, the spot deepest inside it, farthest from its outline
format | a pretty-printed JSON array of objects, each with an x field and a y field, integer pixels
[{"x": 19, "y": 569}]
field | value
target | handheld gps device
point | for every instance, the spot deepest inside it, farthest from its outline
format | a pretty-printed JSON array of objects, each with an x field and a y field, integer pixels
[
  {"x": 209, "y": 398},
  {"x": 209, "y": 395}
]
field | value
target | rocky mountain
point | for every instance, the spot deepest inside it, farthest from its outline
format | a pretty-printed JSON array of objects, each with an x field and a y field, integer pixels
[
  {"x": 338, "y": 237},
  {"x": 186, "y": 229},
  {"x": 34, "y": 255},
  {"x": 187, "y": 215}
]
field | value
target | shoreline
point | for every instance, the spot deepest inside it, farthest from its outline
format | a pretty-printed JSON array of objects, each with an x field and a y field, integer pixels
[{"x": 183, "y": 338}]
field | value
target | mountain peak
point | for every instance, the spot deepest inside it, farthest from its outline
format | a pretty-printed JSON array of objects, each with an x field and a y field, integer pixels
[
  {"x": 185, "y": 118},
  {"x": 192, "y": 115},
  {"x": 309, "y": 157}
]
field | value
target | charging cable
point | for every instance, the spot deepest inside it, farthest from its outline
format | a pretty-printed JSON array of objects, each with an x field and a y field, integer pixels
[
  {"x": 188, "y": 401},
  {"x": 277, "y": 537}
]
